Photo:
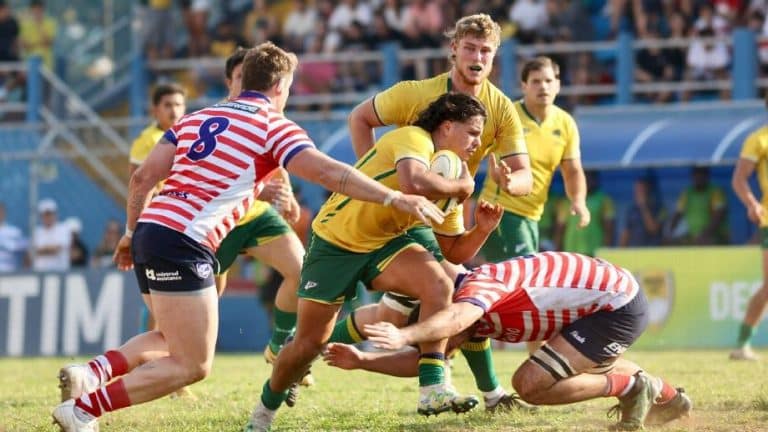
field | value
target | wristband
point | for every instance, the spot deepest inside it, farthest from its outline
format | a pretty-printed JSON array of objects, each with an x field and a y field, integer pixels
[
  {"x": 391, "y": 196},
  {"x": 128, "y": 232}
]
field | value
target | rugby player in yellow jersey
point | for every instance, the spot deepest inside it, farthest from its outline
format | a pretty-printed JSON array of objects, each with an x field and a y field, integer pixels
[
  {"x": 552, "y": 138},
  {"x": 357, "y": 241},
  {"x": 263, "y": 234},
  {"x": 474, "y": 41},
  {"x": 168, "y": 106},
  {"x": 753, "y": 159}
]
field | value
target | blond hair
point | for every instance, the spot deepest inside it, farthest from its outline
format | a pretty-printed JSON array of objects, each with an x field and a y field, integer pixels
[
  {"x": 265, "y": 64},
  {"x": 478, "y": 25}
]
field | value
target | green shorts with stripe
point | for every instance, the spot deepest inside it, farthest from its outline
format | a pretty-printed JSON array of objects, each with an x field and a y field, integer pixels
[
  {"x": 424, "y": 236},
  {"x": 260, "y": 231},
  {"x": 764, "y": 237},
  {"x": 515, "y": 236},
  {"x": 330, "y": 273}
]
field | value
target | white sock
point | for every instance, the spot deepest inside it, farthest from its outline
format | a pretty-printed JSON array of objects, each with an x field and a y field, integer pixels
[{"x": 494, "y": 395}]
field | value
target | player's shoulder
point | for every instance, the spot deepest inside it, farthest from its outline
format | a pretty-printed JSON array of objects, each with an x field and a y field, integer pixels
[
  {"x": 493, "y": 96},
  {"x": 760, "y": 135},
  {"x": 427, "y": 88}
]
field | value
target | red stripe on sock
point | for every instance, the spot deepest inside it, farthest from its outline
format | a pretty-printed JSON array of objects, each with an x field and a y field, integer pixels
[
  {"x": 118, "y": 362},
  {"x": 667, "y": 393},
  {"x": 118, "y": 395},
  {"x": 96, "y": 368},
  {"x": 616, "y": 384},
  {"x": 89, "y": 403}
]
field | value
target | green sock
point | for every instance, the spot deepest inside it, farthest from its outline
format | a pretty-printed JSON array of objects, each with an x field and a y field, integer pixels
[
  {"x": 345, "y": 331},
  {"x": 745, "y": 334},
  {"x": 270, "y": 398},
  {"x": 284, "y": 323},
  {"x": 479, "y": 357},
  {"x": 431, "y": 369}
]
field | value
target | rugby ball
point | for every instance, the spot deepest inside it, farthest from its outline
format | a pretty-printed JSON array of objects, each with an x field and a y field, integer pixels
[{"x": 446, "y": 163}]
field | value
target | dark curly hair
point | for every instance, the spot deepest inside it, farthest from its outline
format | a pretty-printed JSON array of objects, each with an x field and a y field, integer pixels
[{"x": 450, "y": 106}]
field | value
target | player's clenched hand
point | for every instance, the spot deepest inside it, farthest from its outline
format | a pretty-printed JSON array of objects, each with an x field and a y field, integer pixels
[
  {"x": 342, "y": 356},
  {"x": 420, "y": 207},
  {"x": 756, "y": 213},
  {"x": 467, "y": 183},
  {"x": 384, "y": 335},
  {"x": 487, "y": 215},
  {"x": 122, "y": 255}
]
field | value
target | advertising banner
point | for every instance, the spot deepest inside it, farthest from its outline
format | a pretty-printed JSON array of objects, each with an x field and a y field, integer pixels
[{"x": 697, "y": 295}]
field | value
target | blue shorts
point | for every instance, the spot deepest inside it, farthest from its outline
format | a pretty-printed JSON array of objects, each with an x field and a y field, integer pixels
[
  {"x": 168, "y": 261},
  {"x": 605, "y": 335}
]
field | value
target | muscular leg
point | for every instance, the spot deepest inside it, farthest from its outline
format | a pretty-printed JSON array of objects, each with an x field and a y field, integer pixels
[{"x": 284, "y": 254}]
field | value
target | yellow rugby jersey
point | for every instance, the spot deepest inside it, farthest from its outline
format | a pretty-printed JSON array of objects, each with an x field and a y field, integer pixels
[
  {"x": 549, "y": 143},
  {"x": 144, "y": 143},
  {"x": 401, "y": 104},
  {"x": 360, "y": 226},
  {"x": 756, "y": 149},
  {"x": 147, "y": 140}
]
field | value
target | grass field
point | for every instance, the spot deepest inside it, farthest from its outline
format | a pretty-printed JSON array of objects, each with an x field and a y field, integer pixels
[{"x": 727, "y": 396}]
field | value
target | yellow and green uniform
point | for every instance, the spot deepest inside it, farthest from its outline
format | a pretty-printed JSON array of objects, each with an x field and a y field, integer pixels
[
  {"x": 755, "y": 148},
  {"x": 401, "y": 104},
  {"x": 697, "y": 206},
  {"x": 260, "y": 224},
  {"x": 549, "y": 143},
  {"x": 355, "y": 240}
]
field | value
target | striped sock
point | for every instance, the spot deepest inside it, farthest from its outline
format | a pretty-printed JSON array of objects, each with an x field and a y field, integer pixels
[
  {"x": 105, "y": 399},
  {"x": 431, "y": 370},
  {"x": 109, "y": 365},
  {"x": 667, "y": 393},
  {"x": 618, "y": 385}
]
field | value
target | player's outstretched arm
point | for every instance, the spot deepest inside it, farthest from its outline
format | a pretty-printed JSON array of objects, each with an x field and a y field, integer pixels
[
  {"x": 444, "y": 324},
  {"x": 403, "y": 363},
  {"x": 361, "y": 121},
  {"x": 315, "y": 166}
]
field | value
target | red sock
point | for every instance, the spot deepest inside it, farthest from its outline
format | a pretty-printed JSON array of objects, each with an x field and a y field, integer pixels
[
  {"x": 104, "y": 399},
  {"x": 667, "y": 393},
  {"x": 618, "y": 385},
  {"x": 111, "y": 364}
]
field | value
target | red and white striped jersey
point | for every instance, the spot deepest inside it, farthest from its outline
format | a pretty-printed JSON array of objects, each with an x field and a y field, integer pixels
[
  {"x": 532, "y": 298},
  {"x": 223, "y": 155}
]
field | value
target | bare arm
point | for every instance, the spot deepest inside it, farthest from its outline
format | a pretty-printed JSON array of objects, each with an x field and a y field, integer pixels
[
  {"x": 460, "y": 249},
  {"x": 445, "y": 323},
  {"x": 740, "y": 184},
  {"x": 576, "y": 188},
  {"x": 415, "y": 178},
  {"x": 403, "y": 363},
  {"x": 315, "y": 166},
  {"x": 362, "y": 120}
]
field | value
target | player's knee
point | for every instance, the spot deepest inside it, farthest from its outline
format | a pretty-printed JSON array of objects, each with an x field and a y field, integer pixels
[
  {"x": 526, "y": 382},
  {"x": 439, "y": 291},
  {"x": 307, "y": 347},
  {"x": 196, "y": 371}
]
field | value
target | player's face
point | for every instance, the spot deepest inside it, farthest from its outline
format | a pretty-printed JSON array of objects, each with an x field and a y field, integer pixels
[
  {"x": 170, "y": 109},
  {"x": 541, "y": 88},
  {"x": 473, "y": 58},
  {"x": 235, "y": 84},
  {"x": 463, "y": 138}
]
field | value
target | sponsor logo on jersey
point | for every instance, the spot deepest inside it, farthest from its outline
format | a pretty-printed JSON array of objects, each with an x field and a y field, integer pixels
[
  {"x": 520, "y": 247},
  {"x": 614, "y": 348},
  {"x": 557, "y": 132}
]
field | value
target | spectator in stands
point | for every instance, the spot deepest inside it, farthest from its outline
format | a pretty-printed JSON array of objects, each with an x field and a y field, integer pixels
[
  {"x": 707, "y": 59},
  {"x": 299, "y": 24},
  {"x": 51, "y": 240},
  {"x": 225, "y": 40},
  {"x": 195, "y": 14},
  {"x": 159, "y": 33},
  {"x": 261, "y": 25},
  {"x": 653, "y": 66},
  {"x": 709, "y": 18},
  {"x": 348, "y": 12},
  {"x": 568, "y": 21},
  {"x": 645, "y": 216},
  {"x": 425, "y": 19},
  {"x": 37, "y": 33},
  {"x": 9, "y": 49},
  {"x": 102, "y": 255},
  {"x": 569, "y": 237},
  {"x": 699, "y": 218},
  {"x": 530, "y": 17},
  {"x": 78, "y": 251},
  {"x": 12, "y": 244},
  {"x": 394, "y": 14},
  {"x": 315, "y": 76}
]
